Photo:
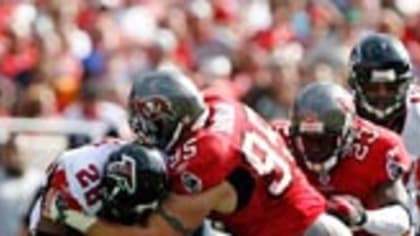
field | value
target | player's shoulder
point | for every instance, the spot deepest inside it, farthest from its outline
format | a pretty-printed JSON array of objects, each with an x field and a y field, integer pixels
[
  {"x": 224, "y": 120},
  {"x": 413, "y": 99},
  {"x": 215, "y": 141},
  {"x": 410, "y": 133},
  {"x": 210, "y": 145},
  {"x": 380, "y": 149},
  {"x": 372, "y": 142},
  {"x": 98, "y": 150},
  {"x": 217, "y": 100},
  {"x": 218, "y": 138},
  {"x": 200, "y": 162},
  {"x": 412, "y": 112},
  {"x": 376, "y": 135},
  {"x": 206, "y": 147}
]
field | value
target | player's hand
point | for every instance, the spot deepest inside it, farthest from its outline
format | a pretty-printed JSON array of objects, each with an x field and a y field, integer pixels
[
  {"x": 54, "y": 206},
  {"x": 348, "y": 209}
]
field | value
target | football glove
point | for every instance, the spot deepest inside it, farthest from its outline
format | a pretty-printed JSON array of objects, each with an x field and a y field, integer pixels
[
  {"x": 56, "y": 209},
  {"x": 348, "y": 209}
]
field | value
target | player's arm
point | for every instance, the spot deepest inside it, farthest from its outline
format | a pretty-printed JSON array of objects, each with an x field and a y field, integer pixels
[
  {"x": 177, "y": 215},
  {"x": 390, "y": 219},
  {"x": 393, "y": 217}
]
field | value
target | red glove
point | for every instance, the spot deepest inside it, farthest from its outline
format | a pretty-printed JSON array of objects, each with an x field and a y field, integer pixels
[{"x": 348, "y": 209}]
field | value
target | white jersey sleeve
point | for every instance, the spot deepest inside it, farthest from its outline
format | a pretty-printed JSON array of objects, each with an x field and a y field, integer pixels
[
  {"x": 411, "y": 137},
  {"x": 411, "y": 132}
]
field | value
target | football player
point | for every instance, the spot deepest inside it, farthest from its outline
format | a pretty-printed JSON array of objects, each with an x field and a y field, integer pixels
[
  {"x": 225, "y": 162},
  {"x": 357, "y": 165},
  {"x": 382, "y": 78},
  {"x": 116, "y": 181}
]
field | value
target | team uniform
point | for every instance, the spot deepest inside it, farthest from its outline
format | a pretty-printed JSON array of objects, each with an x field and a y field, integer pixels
[
  {"x": 382, "y": 78},
  {"x": 77, "y": 174},
  {"x": 411, "y": 136},
  {"x": 377, "y": 157},
  {"x": 410, "y": 133},
  {"x": 234, "y": 144}
]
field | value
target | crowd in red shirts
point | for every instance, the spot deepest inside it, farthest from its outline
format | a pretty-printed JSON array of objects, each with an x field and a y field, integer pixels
[{"x": 258, "y": 51}]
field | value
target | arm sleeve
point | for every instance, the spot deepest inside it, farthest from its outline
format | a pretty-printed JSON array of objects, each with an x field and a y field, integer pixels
[
  {"x": 388, "y": 221},
  {"x": 395, "y": 160},
  {"x": 210, "y": 166}
]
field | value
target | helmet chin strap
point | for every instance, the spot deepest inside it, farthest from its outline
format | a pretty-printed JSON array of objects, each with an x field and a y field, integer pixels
[{"x": 379, "y": 113}]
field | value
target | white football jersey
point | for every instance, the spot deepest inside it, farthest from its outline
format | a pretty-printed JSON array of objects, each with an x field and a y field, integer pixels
[
  {"x": 411, "y": 128},
  {"x": 411, "y": 137},
  {"x": 80, "y": 171}
]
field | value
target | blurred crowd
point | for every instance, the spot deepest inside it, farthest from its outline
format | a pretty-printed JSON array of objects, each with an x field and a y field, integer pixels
[
  {"x": 61, "y": 58},
  {"x": 76, "y": 59}
]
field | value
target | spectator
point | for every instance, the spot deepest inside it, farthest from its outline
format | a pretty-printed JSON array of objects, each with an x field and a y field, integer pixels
[
  {"x": 18, "y": 184},
  {"x": 90, "y": 107},
  {"x": 77, "y": 60}
]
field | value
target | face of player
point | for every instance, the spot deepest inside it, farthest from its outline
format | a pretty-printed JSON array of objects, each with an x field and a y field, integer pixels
[
  {"x": 317, "y": 147},
  {"x": 382, "y": 95}
]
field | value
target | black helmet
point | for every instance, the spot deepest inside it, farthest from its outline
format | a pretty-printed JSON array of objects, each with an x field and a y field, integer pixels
[
  {"x": 162, "y": 105},
  {"x": 135, "y": 180},
  {"x": 380, "y": 74},
  {"x": 321, "y": 130}
]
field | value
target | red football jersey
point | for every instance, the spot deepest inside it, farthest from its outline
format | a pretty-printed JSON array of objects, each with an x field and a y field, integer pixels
[
  {"x": 377, "y": 157},
  {"x": 233, "y": 139}
]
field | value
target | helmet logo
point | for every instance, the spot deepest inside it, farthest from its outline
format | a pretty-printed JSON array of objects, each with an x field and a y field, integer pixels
[
  {"x": 124, "y": 172},
  {"x": 374, "y": 49},
  {"x": 152, "y": 107}
]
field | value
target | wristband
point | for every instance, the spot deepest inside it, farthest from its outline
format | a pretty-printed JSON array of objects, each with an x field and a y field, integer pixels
[{"x": 79, "y": 221}]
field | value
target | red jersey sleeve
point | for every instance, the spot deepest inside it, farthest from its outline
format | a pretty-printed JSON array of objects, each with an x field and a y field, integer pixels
[
  {"x": 208, "y": 165},
  {"x": 395, "y": 160}
]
